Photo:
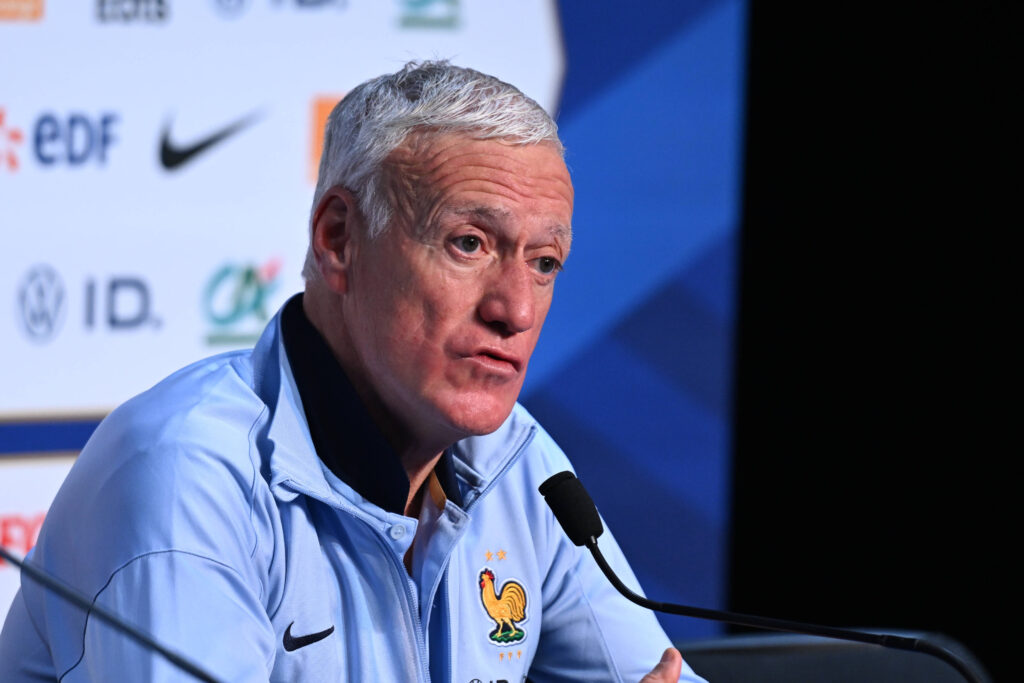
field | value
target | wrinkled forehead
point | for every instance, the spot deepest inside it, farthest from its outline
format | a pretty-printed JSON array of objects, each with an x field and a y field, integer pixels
[
  {"x": 429, "y": 164},
  {"x": 424, "y": 150},
  {"x": 421, "y": 139}
]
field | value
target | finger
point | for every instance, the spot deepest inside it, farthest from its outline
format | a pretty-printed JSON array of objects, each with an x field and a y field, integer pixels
[{"x": 668, "y": 669}]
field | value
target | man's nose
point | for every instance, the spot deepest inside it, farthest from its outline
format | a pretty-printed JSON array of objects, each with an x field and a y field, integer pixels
[{"x": 509, "y": 300}]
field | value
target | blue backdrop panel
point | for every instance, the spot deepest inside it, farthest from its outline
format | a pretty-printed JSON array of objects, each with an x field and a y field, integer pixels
[{"x": 633, "y": 373}]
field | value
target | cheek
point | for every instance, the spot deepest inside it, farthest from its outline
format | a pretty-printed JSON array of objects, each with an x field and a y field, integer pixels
[
  {"x": 414, "y": 333},
  {"x": 543, "y": 305},
  {"x": 446, "y": 304},
  {"x": 392, "y": 303}
]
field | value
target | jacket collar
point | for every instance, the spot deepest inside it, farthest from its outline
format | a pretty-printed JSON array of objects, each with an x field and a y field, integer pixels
[
  {"x": 295, "y": 432},
  {"x": 344, "y": 435}
]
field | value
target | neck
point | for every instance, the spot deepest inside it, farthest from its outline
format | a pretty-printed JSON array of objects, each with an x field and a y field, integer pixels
[
  {"x": 418, "y": 476},
  {"x": 417, "y": 453}
]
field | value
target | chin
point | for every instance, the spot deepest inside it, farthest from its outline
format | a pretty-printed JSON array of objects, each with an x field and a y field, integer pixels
[{"x": 480, "y": 416}]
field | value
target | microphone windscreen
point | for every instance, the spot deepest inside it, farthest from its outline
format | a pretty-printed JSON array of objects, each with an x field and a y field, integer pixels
[{"x": 572, "y": 506}]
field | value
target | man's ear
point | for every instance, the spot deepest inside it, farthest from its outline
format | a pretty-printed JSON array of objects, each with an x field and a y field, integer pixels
[{"x": 334, "y": 224}]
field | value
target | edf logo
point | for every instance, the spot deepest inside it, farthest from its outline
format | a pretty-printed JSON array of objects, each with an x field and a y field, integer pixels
[{"x": 74, "y": 139}]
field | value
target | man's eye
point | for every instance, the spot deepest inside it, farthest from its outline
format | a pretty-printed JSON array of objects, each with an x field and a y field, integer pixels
[
  {"x": 467, "y": 243},
  {"x": 547, "y": 265}
]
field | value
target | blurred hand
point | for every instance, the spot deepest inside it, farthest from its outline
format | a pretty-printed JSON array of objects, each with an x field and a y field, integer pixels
[{"x": 667, "y": 670}]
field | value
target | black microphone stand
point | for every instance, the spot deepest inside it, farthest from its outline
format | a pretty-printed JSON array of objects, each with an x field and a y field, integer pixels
[
  {"x": 576, "y": 513},
  {"x": 884, "y": 639}
]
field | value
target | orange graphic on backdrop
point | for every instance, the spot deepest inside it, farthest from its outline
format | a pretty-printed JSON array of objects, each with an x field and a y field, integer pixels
[
  {"x": 322, "y": 107},
  {"x": 20, "y": 532},
  {"x": 21, "y": 10},
  {"x": 9, "y": 139}
]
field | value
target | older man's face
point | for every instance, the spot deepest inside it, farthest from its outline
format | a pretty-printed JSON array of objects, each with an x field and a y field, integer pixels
[{"x": 444, "y": 309}]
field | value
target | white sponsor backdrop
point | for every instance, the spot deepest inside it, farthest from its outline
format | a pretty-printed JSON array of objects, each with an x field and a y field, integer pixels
[
  {"x": 141, "y": 269},
  {"x": 114, "y": 270},
  {"x": 27, "y": 487}
]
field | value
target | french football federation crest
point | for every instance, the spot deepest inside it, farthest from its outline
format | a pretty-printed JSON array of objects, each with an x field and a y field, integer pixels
[{"x": 506, "y": 608}]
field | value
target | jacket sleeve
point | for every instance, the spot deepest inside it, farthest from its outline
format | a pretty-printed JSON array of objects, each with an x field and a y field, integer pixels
[
  {"x": 168, "y": 529},
  {"x": 589, "y": 631},
  {"x": 197, "y": 607}
]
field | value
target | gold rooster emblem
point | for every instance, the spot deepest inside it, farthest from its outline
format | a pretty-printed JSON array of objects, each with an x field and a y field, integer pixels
[{"x": 506, "y": 608}]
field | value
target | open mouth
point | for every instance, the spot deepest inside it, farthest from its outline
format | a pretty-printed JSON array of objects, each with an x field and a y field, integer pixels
[{"x": 498, "y": 360}]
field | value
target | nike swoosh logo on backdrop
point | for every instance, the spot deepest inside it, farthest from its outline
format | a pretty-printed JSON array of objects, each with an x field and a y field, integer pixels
[
  {"x": 292, "y": 643},
  {"x": 173, "y": 156}
]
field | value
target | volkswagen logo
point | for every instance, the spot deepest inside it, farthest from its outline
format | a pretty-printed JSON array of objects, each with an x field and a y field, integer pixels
[
  {"x": 41, "y": 299},
  {"x": 230, "y": 8}
]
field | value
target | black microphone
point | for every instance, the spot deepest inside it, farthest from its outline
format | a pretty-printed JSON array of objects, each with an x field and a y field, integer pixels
[
  {"x": 576, "y": 512},
  {"x": 82, "y": 602}
]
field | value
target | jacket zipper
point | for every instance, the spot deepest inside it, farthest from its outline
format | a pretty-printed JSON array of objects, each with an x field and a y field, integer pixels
[
  {"x": 505, "y": 468},
  {"x": 444, "y": 579},
  {"x": 448, "y": 613},
  {"x": 411, "y": 607},
  {"x": 410, "y": 602}
]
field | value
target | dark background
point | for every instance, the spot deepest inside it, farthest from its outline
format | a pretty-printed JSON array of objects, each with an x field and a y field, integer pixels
[{"x": 872, "y": 435}]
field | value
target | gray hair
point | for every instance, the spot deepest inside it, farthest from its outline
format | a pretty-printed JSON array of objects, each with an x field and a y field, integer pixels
[{"x": 434, "y": 97}]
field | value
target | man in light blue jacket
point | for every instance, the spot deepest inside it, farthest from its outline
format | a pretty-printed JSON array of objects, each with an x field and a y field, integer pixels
[{"x": 356, "y": 498}]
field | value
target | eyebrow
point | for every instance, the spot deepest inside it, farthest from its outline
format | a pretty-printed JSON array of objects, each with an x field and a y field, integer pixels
[
  {"x": 480, "y": 211},
  {"x": 558, "y": 231}
]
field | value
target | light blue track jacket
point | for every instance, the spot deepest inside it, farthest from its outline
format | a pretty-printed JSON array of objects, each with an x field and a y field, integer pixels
[{"x": 200, "y": 511}]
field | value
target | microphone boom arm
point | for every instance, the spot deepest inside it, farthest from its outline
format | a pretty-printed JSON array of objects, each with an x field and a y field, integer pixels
[
  {"x": 575, "y": 511},
  {"x": 884, "y": 639}
]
